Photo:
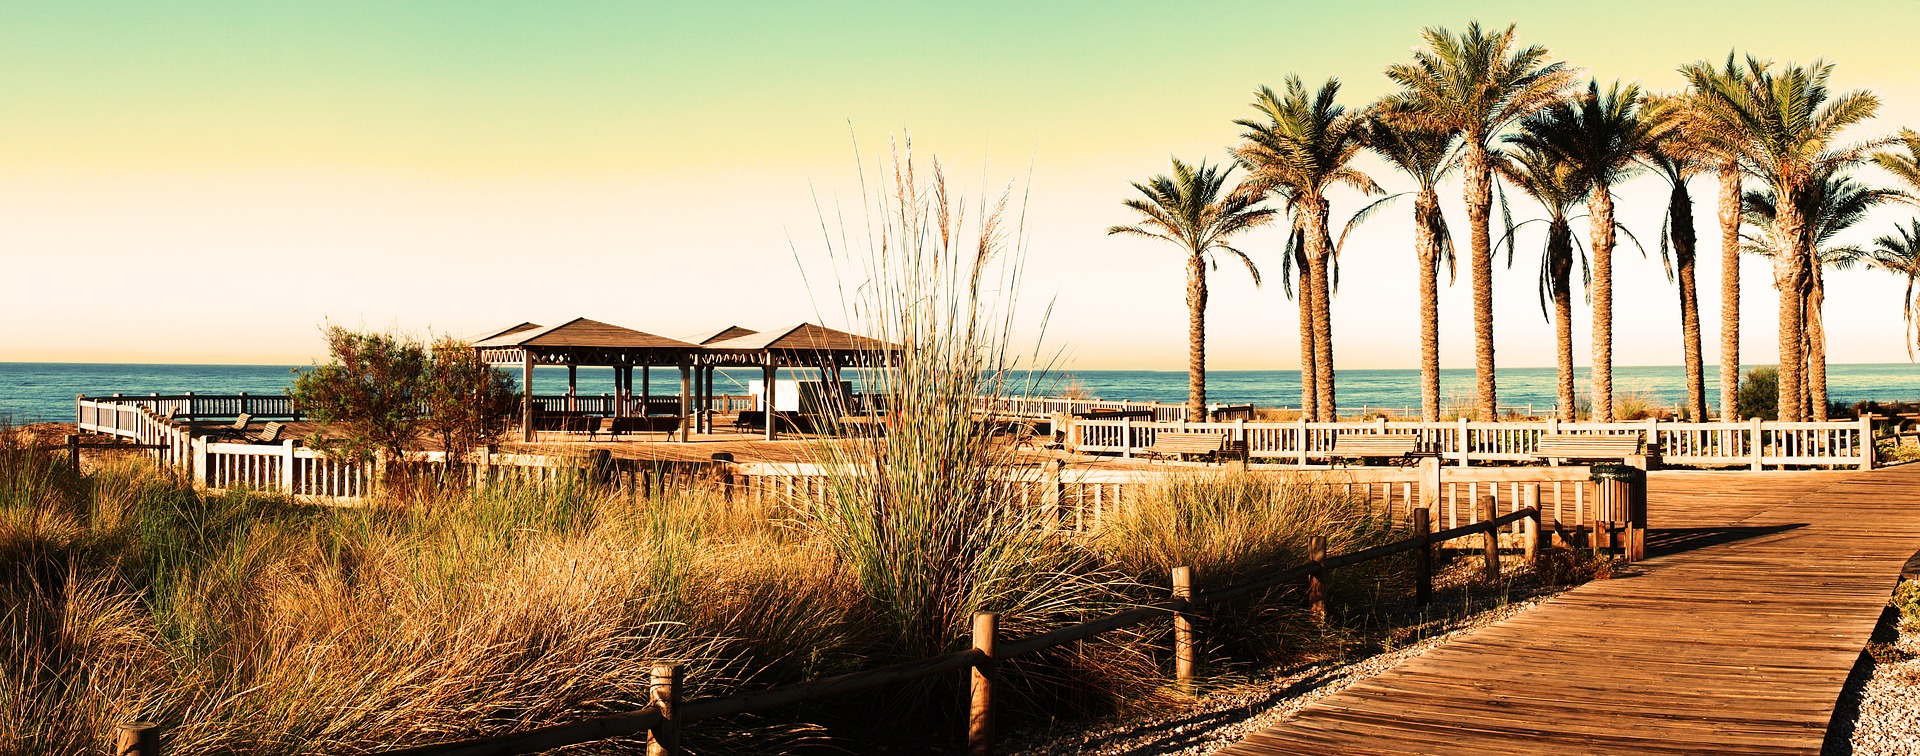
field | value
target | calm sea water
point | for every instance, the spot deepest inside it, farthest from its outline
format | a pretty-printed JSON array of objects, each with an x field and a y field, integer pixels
[{"x": 42, "y": 391}]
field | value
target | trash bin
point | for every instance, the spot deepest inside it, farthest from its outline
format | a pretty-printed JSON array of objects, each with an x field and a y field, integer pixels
[{"x": 1620, "y": 507}]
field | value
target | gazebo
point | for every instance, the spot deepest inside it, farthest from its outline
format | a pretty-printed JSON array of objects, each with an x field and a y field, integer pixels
[
  {"x": 589, "y": 342},
  {"x": 804, "y": 345}
]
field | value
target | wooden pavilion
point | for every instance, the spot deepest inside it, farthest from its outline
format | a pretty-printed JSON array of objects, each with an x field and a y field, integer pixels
[
  {"x": 804, "y": 346},
  {"x": 580, "y": 342}
]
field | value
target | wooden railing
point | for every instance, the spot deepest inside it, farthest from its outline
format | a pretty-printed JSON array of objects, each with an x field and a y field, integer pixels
[
  {"x": 191, "y": 406},
  {"x": 1754, "y": 443},
  {"x": 666, "y": 716}
]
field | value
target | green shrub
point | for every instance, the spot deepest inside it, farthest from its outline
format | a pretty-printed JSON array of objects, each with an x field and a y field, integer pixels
[{"x": 1759, "y": 394}]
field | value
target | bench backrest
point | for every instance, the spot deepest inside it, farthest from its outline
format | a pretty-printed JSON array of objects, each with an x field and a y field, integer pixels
[
  {"x": 1188, "y": 441},
  {"x": 1386, "y": 444},
  {"x": 240, "y": 423},
  {"x": 271, "y": 433},
  {"x": 1557, "y": 445}
]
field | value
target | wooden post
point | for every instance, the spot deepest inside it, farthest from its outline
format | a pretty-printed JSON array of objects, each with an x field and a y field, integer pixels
[
  {"x": 980, "y": 703},
  {"x": 1754, "y": 434},
  {"x": 1301, "y": 424},
  {"x": 646, "y": 388},
  {"x": 1866, "y": 441},
  {"x": 1491, "y": 540},
  {"x": 526, "y": 397},
  {"x": 286, "y": 467},
  {"x": 1316, "y": 580},
  {"x": 1462, "y": 442},
  {"x": 1531, "y": 531},
  {"x": 1423, "y": 556},
  {"x": 1183, "y": 657},
  {"x": 1053, "y": 496},
  {"x": 73, "y": 450},
  {"x": 137, "y": 739},
  {"x": 664, "y": 738},
  {"x": 686, "y": 397},
  {"x": 1430, "y": 483},
  {"x": 770, "y": 374},
  {"x": 573, "y": 403}
]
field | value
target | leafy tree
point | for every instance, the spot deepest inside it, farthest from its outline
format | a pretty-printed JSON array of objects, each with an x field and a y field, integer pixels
[
  {"x": 1783, "y": 127},
  {"x": 1303, "y": 144},
  {"x": 1477, "y": 84},
  {"x": 1196, "y": 210},
  {"x": 380, "y": 392}
]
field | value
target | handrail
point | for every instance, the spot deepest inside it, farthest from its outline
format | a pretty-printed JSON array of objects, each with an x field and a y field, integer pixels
[{"x": 773, "y": 698}]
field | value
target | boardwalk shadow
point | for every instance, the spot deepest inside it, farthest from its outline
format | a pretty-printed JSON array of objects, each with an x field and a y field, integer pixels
[
  {"x": 1663, "y": 541},
  {"x": 1179, "y": 735}
]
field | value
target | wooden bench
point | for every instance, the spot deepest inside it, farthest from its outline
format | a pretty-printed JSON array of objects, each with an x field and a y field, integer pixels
[
  {"x": 1378, "y": 447},
  {"x": 1179, "y": 444},
  {"x": 267, "y": 435},
  {"x": 1573, "y": 446}
]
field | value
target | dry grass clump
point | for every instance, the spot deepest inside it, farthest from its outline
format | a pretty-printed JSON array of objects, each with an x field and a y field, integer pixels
[{"x": 244, "y": 623}]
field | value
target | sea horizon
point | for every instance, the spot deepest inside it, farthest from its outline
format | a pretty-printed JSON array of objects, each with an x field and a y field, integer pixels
[{"x": 44, "y": 391}]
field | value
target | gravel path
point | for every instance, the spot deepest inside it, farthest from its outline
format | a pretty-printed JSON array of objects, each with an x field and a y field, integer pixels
[{"x": 1879, "y": 711}]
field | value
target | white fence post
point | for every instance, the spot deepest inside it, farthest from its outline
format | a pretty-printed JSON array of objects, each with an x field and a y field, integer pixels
[
  {"x": 1866, "y": 441},
  {"x": 1126, "y": 437},
  {"x": 1303, "y": 436},
  {"x": 1462, "y": 442},
  {"x": 286, "y": 466},
  {"x": 1753, "y": 428}
]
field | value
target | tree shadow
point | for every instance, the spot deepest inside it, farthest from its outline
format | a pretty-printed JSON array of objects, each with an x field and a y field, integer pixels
[{"x": 1663, "y": 541}]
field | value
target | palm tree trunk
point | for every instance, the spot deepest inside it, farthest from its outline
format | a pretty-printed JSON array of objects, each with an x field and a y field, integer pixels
[
  {"x": 1309, "y": 375},
  {"x": 1319, "y": 251},
  {"x": 1602, "y": 372},
  {"x": 1560, "y": 268},
  {"x": 1789, "y": 278},
  {"x": 1426, "y": 245},
  {"x": 1680, "y": 212},
  {"x": 1816, "y": 345},
  {"x": 1729, "y": 290},
  {"x": 1196, "y": 336},
  {"x": 1479, "y": 197}
]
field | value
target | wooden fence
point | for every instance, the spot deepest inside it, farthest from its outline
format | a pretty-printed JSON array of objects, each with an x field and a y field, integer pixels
[{"x": 1754, "y": 443}]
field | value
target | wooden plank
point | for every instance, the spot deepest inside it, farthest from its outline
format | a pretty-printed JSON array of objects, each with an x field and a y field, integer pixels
[{"x": 1740, "y": 646}]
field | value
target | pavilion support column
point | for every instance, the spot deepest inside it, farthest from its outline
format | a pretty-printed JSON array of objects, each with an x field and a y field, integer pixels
[
  {"x": 646, "y": 389},
  {"x": 706, "y": 398},
  {"x": 768, "y": 373},
  {"x": 526, "y": 400},
  {"x": 621, "y": 376},
  {"x": 686, "y": 396},
  {"x": 573, "y": 403}
]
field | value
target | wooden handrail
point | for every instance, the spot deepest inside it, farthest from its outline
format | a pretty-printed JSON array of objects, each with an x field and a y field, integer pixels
[{"x": 854, "y": 682}]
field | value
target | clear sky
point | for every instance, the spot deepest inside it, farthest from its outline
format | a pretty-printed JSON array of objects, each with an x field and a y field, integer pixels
[{"x": 208, "y": 182}]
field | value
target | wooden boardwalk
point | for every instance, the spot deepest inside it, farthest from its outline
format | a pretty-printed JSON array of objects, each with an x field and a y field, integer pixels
[{"x": 1736, "y": 637}]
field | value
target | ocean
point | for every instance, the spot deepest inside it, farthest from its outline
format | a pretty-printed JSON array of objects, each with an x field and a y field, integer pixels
[{"x": 44, "y": 391}]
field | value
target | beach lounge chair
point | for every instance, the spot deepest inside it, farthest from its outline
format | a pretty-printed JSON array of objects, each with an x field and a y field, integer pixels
[{"x": 267, "y": 435}]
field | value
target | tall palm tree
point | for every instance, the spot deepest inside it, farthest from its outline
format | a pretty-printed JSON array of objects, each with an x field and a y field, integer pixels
[
  {"x": 1195, "y": 209},
  {"x": 1477, "y": 84},
  {"x": 1728, "y": 173},
  {"x": 1904, "y": 165},
  {"x": 1426, "y": 155},
  {"x": 1784, "y": 128},
  {"x": 1304, "y": 144},
  {"x": 1675, "y": 160},
  {"x": 1830, "y": 206},
  {"x": 1602, "y": 135},
  {"x": 1899, "y": 253},
  {"x": 1559, "y": 186}
]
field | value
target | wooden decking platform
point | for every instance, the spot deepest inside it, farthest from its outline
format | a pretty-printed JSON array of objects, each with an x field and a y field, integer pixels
[{"x": 1735, "y": 638}]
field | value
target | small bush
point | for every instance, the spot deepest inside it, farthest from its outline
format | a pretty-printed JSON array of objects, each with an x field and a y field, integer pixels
[
  {"x": 1906, "y": 599},
  {"x": 1759, "y": 394}
]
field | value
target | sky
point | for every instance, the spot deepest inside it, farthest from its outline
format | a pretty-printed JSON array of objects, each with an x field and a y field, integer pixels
[{"x": 211, "y": 182}]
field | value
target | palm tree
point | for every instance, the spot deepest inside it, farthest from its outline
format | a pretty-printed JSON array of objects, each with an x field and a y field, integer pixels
[
  {"x": 1558, "y": 185},
  {"x": 1602, "y": 135},
  {"x": 1304, "y": 145},
  {"x": 1676, "y": 160},
  {"x": 1899, "y": 253},
  {"x": 1830, "y": 206},
  {"x": 1728, "y": 172},
  {"x": 1194, "y": 209},
  {"x": 1476, "y": 85},
  {"x": 1782, "y": 127},
  {"x": 1428, "y": 156},
  {"x": 1904, "y": 167}
]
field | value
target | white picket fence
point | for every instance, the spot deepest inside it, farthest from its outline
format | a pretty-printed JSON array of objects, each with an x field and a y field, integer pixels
[{"x": 1754, "y": 443}]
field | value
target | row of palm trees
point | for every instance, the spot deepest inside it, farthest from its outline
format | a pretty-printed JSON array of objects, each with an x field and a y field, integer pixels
[{"x": 1501, "y": 114}]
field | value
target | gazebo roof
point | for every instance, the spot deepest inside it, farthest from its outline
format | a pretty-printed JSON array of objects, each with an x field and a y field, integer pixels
[
  {"x": 582, "y": 333},
  {"x": 729, "y": 332},
  {"x": 499, "y": 332},
  {"x": 804, "y": 337}
]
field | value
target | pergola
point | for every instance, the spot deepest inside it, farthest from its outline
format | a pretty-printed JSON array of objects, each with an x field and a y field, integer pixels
[
  {"x": 589, "y": 342},
  {"x": 804, "y": 345}
]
